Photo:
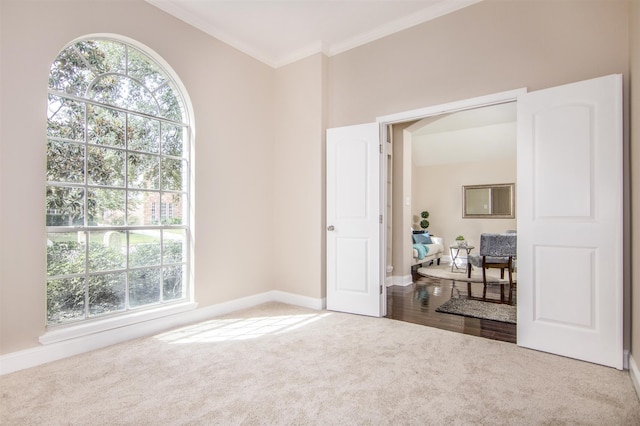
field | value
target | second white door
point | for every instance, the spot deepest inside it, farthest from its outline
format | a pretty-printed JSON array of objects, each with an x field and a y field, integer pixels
[
  {"x": 570, "y": 220},
  {"x": 353, "y": 220}
]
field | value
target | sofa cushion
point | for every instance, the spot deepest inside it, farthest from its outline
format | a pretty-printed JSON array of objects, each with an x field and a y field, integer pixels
[
  {"x": 422, "y": 238},
  {"x": 436, "y": 248},
  {"x": 435, "y": 252}
]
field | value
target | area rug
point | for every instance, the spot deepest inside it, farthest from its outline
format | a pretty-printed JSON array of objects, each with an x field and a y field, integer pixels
[
  {"x": 479, "y": 309},
  {"x": 444, "y": 271}
]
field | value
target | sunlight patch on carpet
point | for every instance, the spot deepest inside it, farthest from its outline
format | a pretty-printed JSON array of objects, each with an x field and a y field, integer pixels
[{"x": 220, "y": 330}]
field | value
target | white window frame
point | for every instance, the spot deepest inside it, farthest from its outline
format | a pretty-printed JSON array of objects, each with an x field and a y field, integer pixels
[{"x": 89, "y": 325}]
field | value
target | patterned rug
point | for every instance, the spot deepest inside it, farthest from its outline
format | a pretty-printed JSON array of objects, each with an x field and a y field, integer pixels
[
  {"x": 444, "y": 271},
  {"x": 480, "y": 309}
]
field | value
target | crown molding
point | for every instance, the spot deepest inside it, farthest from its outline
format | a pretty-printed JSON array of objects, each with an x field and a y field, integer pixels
[
  {"x": 319, "y": 46},
  {"x": 177, "y": 11}
]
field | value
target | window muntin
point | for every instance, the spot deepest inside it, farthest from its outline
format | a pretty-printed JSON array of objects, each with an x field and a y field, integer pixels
[{"x": 117, "y": 147}]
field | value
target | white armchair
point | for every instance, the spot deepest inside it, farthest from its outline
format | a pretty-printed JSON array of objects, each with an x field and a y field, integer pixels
[{"x": 435, "y": 250}]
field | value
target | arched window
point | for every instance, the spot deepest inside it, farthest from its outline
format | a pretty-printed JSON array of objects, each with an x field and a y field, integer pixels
[{"x": 117, "y": 196}]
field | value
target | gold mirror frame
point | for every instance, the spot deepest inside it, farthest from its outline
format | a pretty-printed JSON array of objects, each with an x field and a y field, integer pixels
[{"x": 488, "y": 201}]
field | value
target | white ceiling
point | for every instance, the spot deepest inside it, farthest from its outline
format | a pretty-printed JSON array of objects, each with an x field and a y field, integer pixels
[
  {"x": 280, "y": 32},
  {"x": 473, "y": 135}
]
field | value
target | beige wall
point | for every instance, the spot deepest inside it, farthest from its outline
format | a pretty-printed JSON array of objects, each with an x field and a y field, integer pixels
[
  {"x": 437, "y": 189},
  {"x": 402, "y": 251},
  {"x": 232, "y": 96},
  {"x": 298, "y": 244},
  {"x": 634, "y": 49},
  {"x": 489, "y": 47}
]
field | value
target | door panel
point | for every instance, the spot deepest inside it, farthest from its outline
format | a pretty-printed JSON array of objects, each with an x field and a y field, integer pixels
[
  {"x": 557, "y": 147},
  {"x": 353, "y": 224},
  {"x": 570, "y": 220},
  {"x": 574, "y": 268},
  {"x": 349, "y": 276}
]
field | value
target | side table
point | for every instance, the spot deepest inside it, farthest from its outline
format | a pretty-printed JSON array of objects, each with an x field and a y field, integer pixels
[{"x": 455, "y": 251}]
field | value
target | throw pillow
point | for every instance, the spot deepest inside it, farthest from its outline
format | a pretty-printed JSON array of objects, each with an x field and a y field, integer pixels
[{"x": 422, "y": 238}]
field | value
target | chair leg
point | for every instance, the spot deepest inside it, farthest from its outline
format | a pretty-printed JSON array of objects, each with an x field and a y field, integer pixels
[
  {"x": 502, "y": 273},
  {"x": 484, "y": 280},
  {"x": 468, "y": 270},
  {"x": 510, "y": 281}
]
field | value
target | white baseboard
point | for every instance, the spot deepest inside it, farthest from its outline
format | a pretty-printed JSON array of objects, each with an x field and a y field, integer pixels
[
  {"x": 297, "y": 300},
  {"x": 401, "y": 280},
  {"x": 625, "y": 359},
  {"x": 32, "y": 357},
  {"x": 634, "y": 372}
]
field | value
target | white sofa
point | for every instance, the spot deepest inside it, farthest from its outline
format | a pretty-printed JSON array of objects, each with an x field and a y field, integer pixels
[{"x": 436, "y": 250}]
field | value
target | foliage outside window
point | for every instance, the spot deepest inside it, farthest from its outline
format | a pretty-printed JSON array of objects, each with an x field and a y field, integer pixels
[{"x": 117, "y": 145}]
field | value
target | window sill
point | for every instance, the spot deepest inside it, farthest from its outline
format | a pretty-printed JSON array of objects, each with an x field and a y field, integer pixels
[{"x": 61, "y": 333}]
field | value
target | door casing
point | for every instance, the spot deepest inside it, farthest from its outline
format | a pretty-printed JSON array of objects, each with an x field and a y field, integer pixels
[{"x": 418, "y": 114}]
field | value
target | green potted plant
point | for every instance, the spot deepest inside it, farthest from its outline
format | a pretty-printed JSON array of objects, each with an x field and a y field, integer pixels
[
  {"x": 460, "y": 241},
  {"x": 424, "y": 223}
]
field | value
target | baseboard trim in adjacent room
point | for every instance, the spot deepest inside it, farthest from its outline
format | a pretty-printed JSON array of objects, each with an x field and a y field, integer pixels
[
  {"x": 634, "y": 372},
  {"x": 32, "y": 357},
  {"x": 625, "y": 359},
  {"x": 403, "y": 280}
]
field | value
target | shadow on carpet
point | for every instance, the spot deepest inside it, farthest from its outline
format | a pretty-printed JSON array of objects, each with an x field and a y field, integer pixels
[{"x": 480, "y": 309}]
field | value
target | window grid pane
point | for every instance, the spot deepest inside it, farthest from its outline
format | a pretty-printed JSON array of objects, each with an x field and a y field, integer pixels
[{"x": 117, "y": 193}]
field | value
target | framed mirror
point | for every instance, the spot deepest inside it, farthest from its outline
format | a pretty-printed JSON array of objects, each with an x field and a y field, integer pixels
[{"x": 488, "y": 201}]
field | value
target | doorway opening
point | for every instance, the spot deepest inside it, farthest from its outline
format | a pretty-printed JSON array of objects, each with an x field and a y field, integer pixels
[{"x": 430, "y": 157}]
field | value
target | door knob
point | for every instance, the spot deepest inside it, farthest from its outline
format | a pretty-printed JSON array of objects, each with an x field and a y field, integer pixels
[{"x": 330, "y": 228}]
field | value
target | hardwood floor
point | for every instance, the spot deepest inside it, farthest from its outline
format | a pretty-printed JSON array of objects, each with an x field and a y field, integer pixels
[{"x": 417, "y": 304}]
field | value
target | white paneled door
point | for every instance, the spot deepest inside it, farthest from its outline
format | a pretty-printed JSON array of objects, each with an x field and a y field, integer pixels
[
  {"x": 569, "y": 200},
  {"x": 353, "y": 220}
]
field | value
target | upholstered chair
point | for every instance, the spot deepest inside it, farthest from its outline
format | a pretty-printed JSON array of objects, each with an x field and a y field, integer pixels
[{"x": 496, "y": 251}]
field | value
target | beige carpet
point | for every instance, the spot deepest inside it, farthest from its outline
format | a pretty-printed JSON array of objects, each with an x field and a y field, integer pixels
[
  {"x": 444, "y": 271},
  {"x": 277, "y": 364}
]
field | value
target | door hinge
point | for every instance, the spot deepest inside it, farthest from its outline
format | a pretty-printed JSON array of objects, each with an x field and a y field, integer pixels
[
  {"x": 380, "y": 148},
  {"x": 380, "y": 288},
  {"x": 381, "y": 219}
]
